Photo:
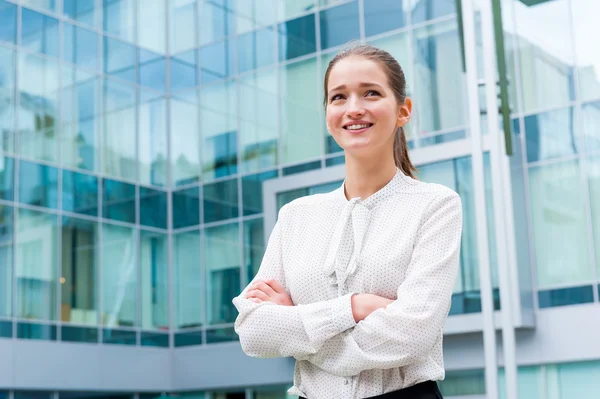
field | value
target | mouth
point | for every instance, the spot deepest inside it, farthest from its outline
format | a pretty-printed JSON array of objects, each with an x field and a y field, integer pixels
[{"x": 356, "y": 128}]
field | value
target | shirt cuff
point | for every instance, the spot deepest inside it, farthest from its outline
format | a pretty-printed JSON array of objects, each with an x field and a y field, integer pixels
[{"x": 323, "y": 320}]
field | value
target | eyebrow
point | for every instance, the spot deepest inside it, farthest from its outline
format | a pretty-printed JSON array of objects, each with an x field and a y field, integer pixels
[{"x": 361, "y": 84}]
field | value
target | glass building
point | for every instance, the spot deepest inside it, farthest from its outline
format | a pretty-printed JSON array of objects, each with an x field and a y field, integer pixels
[{"x": 146, "y": 146}]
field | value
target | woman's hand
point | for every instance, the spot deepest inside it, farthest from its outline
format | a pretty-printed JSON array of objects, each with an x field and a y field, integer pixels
[
  {"x": 268, "y": 291},
  {"x": 365, "y": 304}
]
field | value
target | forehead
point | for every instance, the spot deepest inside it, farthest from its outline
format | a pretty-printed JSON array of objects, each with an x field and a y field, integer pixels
[{"x": 355, "y": 69}]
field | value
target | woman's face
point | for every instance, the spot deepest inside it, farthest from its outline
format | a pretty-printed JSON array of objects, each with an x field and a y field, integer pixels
[{"x": 362, "y": 112}]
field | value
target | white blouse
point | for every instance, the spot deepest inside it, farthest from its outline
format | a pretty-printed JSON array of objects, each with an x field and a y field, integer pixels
[{"x": 401, "y": 243}]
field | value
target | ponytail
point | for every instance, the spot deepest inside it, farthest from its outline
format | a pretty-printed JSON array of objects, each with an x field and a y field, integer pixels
[{"x": 401, "y": 157}]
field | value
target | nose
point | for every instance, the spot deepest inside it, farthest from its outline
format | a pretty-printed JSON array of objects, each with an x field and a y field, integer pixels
[{"x": 355, "y": 108}]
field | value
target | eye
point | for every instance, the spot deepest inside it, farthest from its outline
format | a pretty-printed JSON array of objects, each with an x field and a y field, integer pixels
[
  {"x": 372, "y": 93},
  {"x": 336, "y": 97}
]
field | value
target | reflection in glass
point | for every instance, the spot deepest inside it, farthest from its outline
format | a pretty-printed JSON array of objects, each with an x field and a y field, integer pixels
[
  {"x": 78, "y": 334},
  {"x": 590, "y": 131},
  {"x": 119, "y": 59},
  {"x": 153, "y": 208},
  {"x": 254, "y": 246},
  {"x": 83, "y": 11},
  {"x": 157, "y": 340},
  {"x": 292, "y": 8},
  {"x": 155, "y": 281},
  {"x": 38, "y": 108},
  {"x": 222, "y": 265},
  {"x": 183, "y": 25},
  {"x": 300, "y": 117},
  {"x": 217, "y": 20},
  {"x": 7, "y": 178},
  {"x": 397, "y": 46},
  {"x": 382, "y": 16},
  {"x": 262, "y": 43},
  {"x": 152, "y": 70},
  {"x": 550, "y": 135},
  {"x": 119, "y": 337},
  {"x": 118, "y": 18},
  {"x": 438, "y": 77},
  {"x": 339, "y": 25},
  {"x": 152, "y": 142},
  {"x": 558, "y": 215},
  {"x": 185, "y": 145},
  {"x": 7, "y": 99},
  {"x": 297, "y": 37},
  {"x": 80, "y": 46},
  {"x": 35, "y": 265},
  {"x": 585, "y": 28},
  {"x": 36, "y": 331},
  {"x": 8, "y": 22},
  {"x": 38, "y": 184},
  {"x": 252, "y": 194},
  {"x": 218, "y": 125},
  {"x": 119, "y": 130},
  {"x": 78, "y": 275},
  {"x": 184, "y": 70},
  {"x": 187, "y": 279},
  {"x": 119, "y": 276},
  {"x": 152, "y": 25},
  {"x": 80, "y": 121},
  {"x": 186, "y": 207},
  {"x": 288, "y": 196},
  {"x": 6, "y": 260},
  {"x": 118, "y": 201},
  {"x": 464, "y": 382},
  {"x": 33, "y": 394},
  {"x": 220, "y": 201},
  {"x": 593, "y": 176},
  {"x": 39, "y": 33},
  {"x": 221, "y": 335},
  {"x": 217, "y": 61},
  {"x": 80, "y": 193},
  {"x": 426, "y": 10},
  {"x": 253, "y": 14}
]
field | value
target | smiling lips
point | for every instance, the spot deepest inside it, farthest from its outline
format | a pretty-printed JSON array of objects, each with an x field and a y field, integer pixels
[{"x": 356, "y": 127}]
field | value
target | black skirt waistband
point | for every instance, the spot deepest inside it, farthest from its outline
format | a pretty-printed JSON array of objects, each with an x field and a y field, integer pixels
[{"x": 423, "y": 390}]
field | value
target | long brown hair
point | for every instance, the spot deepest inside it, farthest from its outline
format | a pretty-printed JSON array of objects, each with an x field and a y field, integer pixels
[{"x": 397, "y": 82}]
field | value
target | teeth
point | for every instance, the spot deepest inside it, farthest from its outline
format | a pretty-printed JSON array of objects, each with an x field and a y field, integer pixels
[{"x": 357, "y": 127}]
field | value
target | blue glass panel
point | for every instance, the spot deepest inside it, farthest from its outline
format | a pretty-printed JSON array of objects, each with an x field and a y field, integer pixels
[
  {"x": 217, "y": 20},
  {"x": 426, "y": 10},
  {"x": 566, "y": 296},
  {"x": 188, "y": 338},
  {"x": 80, "y": 46},
  {"x": 332, "y": 145},
  {"x": 382, "y": 16},
  {"x": 119, "y": 201},
  {"x": 186, "y": 207},
  {"x": 80, "y": 193},
  {"x": 6, "y": 260},
  {"x": 153, "y": 208},
  {"x": 79, "y": 334},
  {"x": 5, "y": 332},
  {"x": 591, "y": 121},
  {"x": 152, "y": 70},
  {"x": 252, "y": 194},
  {"x": 36, "y": 331},
  {"x": 442, "y": 138},
  {"x": 297, "y": 37},
  {"x": 83, "y": 11},
  {"x": 119, "y": 18},
  {"x": 463, "y": 383},
  {"x": 254, "y": 246},
  {"x": 7, "y": 179},
  {"x": 217, "y": 61},
  {"x": 118, "y": 337},
  {"x": 335, "y": 161},
  {"x": 221, "y": 335},
  {"x": 7, "y": 99},
  {"x": 184, "y": 70},
  {"x": 305, "y": 167},
  {"x": 339, "y": 25},
  {"x": 39, "y": 33},
  {"x": 256, "y": 49},
  {"x": 38, "y": 184},
  {"x": 156, "y": 340},
  {"x": 220, "y": 201},
  {"x": 119, "y": 59},
  {"x": 550, "y": 135},
  {"x": 33, "y": 395},
  {"x": 8, "y": 22}
]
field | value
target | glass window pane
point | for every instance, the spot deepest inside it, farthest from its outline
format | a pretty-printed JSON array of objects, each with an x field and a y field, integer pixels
[
  {"x": 38, "y": 184},
  {"x": 182, "y": 25},
  {"x": 220, "y": 201},
  {"x": 339, "y": 25},
  {"x": 118, "y": 201},
  {"x": 187, "y": 278},
  {"x": 6, "y": 260},
  {"x": 119, "y": 130},
  {"x": 38, "y": 108},
  {"x": 590, "y": 131},
  {"x": 186, "y": 207},
  {"x": 80, "y": 119},
  {"x": 78, "y": 334},
  {"x": 585, "y": 27},
  {"x": 78, "y": 277},
  {"x": 152, "y": 152},
  {"x": 80, "y": 46},
  {"x": 118, "y": 18},
  {"x": 112, "y": 336},
  {"x": 8, "y": 22},
  {"x": 83, "y": 11},
  {"x": 7, "y": 99},
  {"x": 157, "y": 340},
  {"x": 152, "y": 70},
  {"x": 463, "y": 383},
  {"x": 254, "y": 246},
  {"x": 39, "y": 33},
  {"x": 192, "y": 338},
  {"x": 258, "y": 130},
  {"x": 221, "y": 335},
  {"x": 218, "y": 125},
  {"x": 152, "y": 25},
  {"x": 593, "y": 176},
  {"x": 7, "y": 178},
  {"x": 35, "y": 264},
  {"x": 545, "y": 54},
  {"x": 119, "y": 276},
  {"x": 184, "y": 70},
  {"x": 80, "y": 193},
  {"x": 252, "y": 197},
  {"x": 185, "y": 145},
  {"x": 153, "y": 208},
  {"x": 217, "y": 61},
  {"x": 222, "y": 265},
  {"x": 551, "y": 135},
  {"x": 292, "y": 8},
  {"x": 155, "y": 281},
  {"x": 33, "y": 394},
  {"x": 217, "y": 20},
  {"x": 301, "y": 120},
  {"x": 382, "y": 16},
  {"x": 577, "y": 380},
  {"x": 297, "y": 37},
  {"x": 425, "y": 10},
  {"x": 49, "y": 5},
  {"x": 253, "y": 14},
  {"x": 438, "y": 77},
  {"x": 262, "y": 49},
  {"x": 558, "y": 215},
  {"x": 119, "y": 59},
  {"x": 397, "y": 46}
]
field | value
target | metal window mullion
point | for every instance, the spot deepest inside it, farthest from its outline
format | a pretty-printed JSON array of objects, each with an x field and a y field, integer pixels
[
  {"x": 361, "y": 20},
  {"x": 138, "y": 267},
  {"x": 99, "y": 257},
  {"x": 16, "y": 166}
]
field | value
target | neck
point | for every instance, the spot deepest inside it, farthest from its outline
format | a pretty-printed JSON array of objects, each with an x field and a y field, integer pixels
[{"x": 364, "y": 177}]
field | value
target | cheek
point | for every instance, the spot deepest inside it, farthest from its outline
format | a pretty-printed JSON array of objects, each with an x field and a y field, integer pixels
[{"x": 333, "y": 117}]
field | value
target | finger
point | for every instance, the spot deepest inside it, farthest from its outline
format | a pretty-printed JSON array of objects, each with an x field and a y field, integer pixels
[
  {"x": 257, "y": 294},
  {"x": 255, "y": 300},
  {"x": 274, "y": 284},
  {"x": 264, "y": 287}
]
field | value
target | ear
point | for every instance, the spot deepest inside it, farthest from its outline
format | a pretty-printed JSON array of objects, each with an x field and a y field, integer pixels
[{"x": 404, "y": 112}]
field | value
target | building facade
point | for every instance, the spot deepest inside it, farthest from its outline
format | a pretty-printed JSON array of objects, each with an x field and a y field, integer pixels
[{"x": 147, "y": 145}]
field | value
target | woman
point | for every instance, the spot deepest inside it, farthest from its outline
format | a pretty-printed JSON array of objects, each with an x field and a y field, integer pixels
[{"x": 356, "y": 284}]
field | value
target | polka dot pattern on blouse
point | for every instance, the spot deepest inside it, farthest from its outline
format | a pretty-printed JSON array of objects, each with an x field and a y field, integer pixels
[{"x": 401, "y": 243}]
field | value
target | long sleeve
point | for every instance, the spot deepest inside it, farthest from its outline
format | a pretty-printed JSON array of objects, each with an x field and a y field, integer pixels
[
  {"x": 406, "y": 331},
  {"x": 269, "y": 330}
]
